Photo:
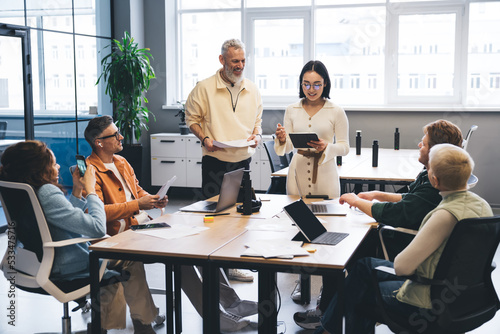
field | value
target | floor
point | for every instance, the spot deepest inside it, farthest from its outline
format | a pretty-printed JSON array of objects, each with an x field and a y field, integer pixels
[{"x": 42, "y": 314}]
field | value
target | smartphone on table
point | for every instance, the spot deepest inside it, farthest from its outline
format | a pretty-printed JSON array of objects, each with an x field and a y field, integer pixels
[
  {"x": 147, "y": 226},
  {"x": 81, "y": 164}
]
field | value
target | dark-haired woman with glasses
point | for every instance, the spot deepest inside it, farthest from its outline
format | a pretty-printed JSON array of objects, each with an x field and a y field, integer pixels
[
  {"x": 314, "y": 170},
  {"x": 316, "y": 167}
]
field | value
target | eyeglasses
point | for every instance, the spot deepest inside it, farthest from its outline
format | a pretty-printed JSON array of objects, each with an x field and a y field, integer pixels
[
  {"x": 117, "y": 135},
  {"x": 315, "y": 86}
]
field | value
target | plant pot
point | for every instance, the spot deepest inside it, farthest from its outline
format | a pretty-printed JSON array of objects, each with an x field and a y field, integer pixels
[
  {"x": 184, "y": 129},
  {"x": 133, "y": 154}
]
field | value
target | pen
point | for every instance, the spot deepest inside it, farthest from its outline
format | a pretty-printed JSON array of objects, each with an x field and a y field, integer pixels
[{"x": 217, "y": 214}]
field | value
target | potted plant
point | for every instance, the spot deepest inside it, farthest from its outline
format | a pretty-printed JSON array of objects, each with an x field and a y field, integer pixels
[
  {"x": 127, "y": 72},
  {"x": 182, "y": 116}
]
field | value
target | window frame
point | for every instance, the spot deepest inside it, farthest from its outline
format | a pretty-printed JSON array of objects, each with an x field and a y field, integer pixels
[
  {"x": 393, "y": 10},
  {"x": 392, "y": 59},
  {"x": 248, "y": 32}
]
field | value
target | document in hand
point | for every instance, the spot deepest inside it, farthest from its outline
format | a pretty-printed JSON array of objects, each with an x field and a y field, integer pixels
[
  {"x": 234, "y": 143},
  {"x": 164, "y": 188}
]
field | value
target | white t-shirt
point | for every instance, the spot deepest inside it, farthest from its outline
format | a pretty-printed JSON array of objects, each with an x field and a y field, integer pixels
[{"x": 142, "y": 217}]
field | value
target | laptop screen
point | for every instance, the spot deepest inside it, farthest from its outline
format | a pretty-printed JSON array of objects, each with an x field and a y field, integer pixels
[
  {"x": 230, "y": 188},
  {"x": 305, "y": 220}
]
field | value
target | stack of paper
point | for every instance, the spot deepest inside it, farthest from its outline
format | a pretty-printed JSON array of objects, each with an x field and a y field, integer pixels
[
  {"x": 175, "y": 232},
  {"x": 280, "y": 248}
]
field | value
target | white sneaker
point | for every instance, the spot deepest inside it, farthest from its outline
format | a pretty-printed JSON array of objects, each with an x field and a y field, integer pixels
[
  {"x": 231, "y": 323},
  {"x": 159, "y": 320},
  {"x": 296, "y": 293},
  {"x": 310, "y": 319},
  {"x": 237, "y": 275}
]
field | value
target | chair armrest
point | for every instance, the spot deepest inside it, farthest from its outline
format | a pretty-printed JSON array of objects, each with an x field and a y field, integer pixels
[
  {"x": 397, "y": 229},
  {"x": 414, "y": 278},
  {"x": 387, "y": 270},
  {"x": 73, "y": 241},
  {"x": 122, "y": 226},
  {"x": 384, "y": 228},
  {"x": 391, "y": 271}
]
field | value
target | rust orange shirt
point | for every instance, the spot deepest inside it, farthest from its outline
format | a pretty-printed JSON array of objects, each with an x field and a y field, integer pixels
[{"x": 110, "y": 191}]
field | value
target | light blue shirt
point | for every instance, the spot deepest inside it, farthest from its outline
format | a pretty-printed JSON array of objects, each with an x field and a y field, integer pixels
[{"x": 67, "y": 220}]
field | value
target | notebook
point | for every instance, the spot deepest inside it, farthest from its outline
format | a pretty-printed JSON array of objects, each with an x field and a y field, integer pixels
[
  {"x": 311, "y": 229},
  {"x": 323, "y": 209},
  {"x": 228, "y": 195}
]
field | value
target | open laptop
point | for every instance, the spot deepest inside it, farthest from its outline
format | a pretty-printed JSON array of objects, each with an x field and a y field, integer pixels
[
  {"x": 311, "y": 229},
  {"x": 323, "y": 209},
  {"x": 228, "y": 195}
]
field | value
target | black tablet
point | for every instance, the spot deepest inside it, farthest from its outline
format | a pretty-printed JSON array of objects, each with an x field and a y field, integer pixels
[{"x": 300, "y": 140}]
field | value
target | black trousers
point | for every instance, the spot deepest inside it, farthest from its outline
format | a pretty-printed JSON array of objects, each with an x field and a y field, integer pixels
[{"x": 212, "y": 172}]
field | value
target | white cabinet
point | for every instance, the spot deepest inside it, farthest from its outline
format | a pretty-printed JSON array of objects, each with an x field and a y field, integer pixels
[
  {"x": 180, "y": 155},
  {"x": 171, "y": 154}
]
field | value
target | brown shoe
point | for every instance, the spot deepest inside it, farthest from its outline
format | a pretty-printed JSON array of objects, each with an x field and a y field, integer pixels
[{"x": 140, "y": 328}]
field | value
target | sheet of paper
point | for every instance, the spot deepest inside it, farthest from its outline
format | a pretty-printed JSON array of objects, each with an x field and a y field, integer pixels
[
  {"x": 252, "y": 253},
  {"x": 275, "y": 224},
  {"x": 233, "y": 143},
  {"x": 276, "y": 248},
  {"x": 175, "y": 232},
  {"x": 164, "y": 188}
]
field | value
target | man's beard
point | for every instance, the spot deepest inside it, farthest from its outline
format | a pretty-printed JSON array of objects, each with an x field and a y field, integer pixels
[{"x": 232, "y": 77}]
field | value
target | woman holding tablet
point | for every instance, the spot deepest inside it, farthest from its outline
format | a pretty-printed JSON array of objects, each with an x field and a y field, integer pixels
[
  {"x": 315, "y": 165},
  {"x": 314, "y": 169}
]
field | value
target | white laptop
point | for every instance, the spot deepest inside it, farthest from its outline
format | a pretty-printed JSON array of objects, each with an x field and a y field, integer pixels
[
  {"x": 228, "y": 195},
  {"x": 311, "y": 229},
  {"x": 323, "y": 209}
]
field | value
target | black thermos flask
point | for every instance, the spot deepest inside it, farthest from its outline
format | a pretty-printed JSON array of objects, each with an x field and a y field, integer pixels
[
  {"x": 396, "y": 139},
  {"x": 358, "y": 142},
  {"x": 247, "y": 193},
  {"x": 375, "y": 153}
]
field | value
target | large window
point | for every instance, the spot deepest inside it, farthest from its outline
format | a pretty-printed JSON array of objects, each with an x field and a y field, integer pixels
[
  {"x": 66, "y": 36},
  {"x": 379, "y": 53}
]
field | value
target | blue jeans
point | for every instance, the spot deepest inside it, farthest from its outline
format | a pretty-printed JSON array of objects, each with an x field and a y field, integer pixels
[{"x": 359, "y": 290}]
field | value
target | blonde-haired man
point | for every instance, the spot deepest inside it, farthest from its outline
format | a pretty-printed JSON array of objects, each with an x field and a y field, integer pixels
[{"x": 449, "y": 169}]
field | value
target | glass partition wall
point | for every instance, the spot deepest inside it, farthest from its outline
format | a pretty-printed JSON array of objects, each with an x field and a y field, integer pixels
[{"x": 66, "y": 37}]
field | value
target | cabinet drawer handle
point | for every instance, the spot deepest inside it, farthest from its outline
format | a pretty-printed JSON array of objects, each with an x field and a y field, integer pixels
[
  {"x": 198, "y": 162},
  {"x": 167, "y": 162},
  {"x": 198, "y": 142},
  {"x": 167, "y": 141}
]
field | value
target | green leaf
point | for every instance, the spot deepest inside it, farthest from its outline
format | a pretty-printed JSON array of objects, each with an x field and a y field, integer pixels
[{"x": 127, "y": 72}]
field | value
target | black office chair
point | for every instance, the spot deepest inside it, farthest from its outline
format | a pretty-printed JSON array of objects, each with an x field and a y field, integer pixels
[
  {"x": 35, "y": 251},
  {"x": 278, "y": 184},
  {"x": 466, "y": 140},
  {"x": 462, "y": 292}
]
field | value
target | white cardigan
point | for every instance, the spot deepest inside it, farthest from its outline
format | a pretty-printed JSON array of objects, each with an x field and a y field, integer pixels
[{"x": 329, "y": 122}]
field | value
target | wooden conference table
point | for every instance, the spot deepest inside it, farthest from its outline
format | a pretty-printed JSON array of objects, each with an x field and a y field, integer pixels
[
  {"x": 221, "y": 246},
  {"x": 397, "y": 167}
]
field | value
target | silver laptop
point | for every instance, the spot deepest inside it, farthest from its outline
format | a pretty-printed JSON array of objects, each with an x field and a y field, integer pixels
[
  {"x": 311, "y": 229},
  {"x": 228, "y": 195},
  {"x": 323, "y": 209}
]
